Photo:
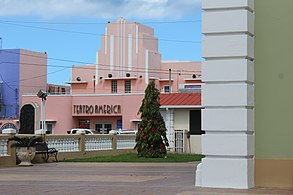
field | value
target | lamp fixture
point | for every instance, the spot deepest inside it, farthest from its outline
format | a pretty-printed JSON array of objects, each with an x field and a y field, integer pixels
[
  {"x": 110, "y": 75},
  {"x": 78, "y": 78},
  {"x": 127, "y": 74},
  {"x": 193, "y": 76},
  {"x": 42, "y": 94}
]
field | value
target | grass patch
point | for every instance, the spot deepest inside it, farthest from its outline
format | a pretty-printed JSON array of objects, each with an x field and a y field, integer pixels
[{"x": 132, "y": 157}]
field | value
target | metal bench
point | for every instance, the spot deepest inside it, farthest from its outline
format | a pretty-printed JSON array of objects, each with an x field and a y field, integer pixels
[{"x": 42, "y": 148}]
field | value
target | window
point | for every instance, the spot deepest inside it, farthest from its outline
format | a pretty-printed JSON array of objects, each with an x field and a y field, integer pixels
[
  {"x": 103, "y": 128},
  {"x": 188, "y": 86},
  {"x": 85, "y": 124},
  {"x": 49, "y": 128},
  {"x": 127, "y": 86},
  {"x": 8, "y": 125},
  {"x": 195, "y": 122},
  {"x": 166, "y": 89},
  {"x": 119, "y": 124},
  {"x": 114, "y": 86}
]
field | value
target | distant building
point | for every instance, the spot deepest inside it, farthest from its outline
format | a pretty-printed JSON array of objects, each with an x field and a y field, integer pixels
[
  {"x": 58, "y": 89},
  {"x": 107, "y": 95},
  {"x": 21, "y": 71}
]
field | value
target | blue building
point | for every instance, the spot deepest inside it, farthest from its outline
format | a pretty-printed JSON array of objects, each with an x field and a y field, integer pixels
[{"x": 21, "y": 72}]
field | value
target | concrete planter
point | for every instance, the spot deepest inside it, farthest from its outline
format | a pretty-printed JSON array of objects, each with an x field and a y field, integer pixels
[{"x": 25, "y": 155}]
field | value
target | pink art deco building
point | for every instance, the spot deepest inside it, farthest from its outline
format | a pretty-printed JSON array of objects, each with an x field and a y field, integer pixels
[{"x": 107, "y": 94}]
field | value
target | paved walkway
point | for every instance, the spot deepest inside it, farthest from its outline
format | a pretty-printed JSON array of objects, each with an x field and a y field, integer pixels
[{"x": 110, "y": 178}]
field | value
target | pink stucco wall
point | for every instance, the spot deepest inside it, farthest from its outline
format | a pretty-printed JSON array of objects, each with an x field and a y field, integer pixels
[
  {"x": 129, "y": 108},
  {"x": 59, "y": 110},
  {"x": 33, "y": 71}
]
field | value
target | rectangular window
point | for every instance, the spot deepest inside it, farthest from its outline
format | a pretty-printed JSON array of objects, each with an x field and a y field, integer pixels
[
  {"x": 192, "y": 86},
  {"x": 49, "y": 128},
  {"x": 167, "y": 89},
  {"x": 84, "y": 124},
  {"x": 127, "y": 86},
  {"x": 119, "y": 124},
  {"x": 103, "y": 128},
  {"x": 114, "y": 86},
  {"x": 195, "y": 122},
  {"x": 99, "y": 127}
]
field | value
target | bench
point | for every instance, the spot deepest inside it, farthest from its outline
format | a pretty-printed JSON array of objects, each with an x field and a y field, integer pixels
[{"x": 42, "y": 148}]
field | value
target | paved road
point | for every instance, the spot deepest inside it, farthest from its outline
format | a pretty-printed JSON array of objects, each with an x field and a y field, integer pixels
[{"x": 110, "y": 178}]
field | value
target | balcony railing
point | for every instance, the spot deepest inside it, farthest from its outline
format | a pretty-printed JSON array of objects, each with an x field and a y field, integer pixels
[{"x": 73, "y": 146}]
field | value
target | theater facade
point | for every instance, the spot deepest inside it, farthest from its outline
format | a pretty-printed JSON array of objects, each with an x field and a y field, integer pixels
[{"x": 107, "y": 94}]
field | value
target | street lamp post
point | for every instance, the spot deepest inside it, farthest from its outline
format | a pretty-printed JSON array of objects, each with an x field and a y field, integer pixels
[{"x": 43, "y": 95}]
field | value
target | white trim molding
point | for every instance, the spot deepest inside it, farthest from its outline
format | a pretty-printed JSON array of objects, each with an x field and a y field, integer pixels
[
  {"x": 182, "y": 106},
  {"x": 228, "y": 95},
  {"x": 147, "y": 66}
]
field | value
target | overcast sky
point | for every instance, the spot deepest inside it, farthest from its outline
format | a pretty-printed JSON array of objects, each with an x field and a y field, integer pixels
[
  {"x": 71, "y": 29},
  {"x": 143, "y": 9}
]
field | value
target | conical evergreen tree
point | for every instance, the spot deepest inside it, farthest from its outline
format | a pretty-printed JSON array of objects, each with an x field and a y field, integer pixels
[{"x": 151, "y": 139}]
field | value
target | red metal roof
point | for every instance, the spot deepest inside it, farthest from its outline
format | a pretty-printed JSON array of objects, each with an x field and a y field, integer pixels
[{"x": 180, "y": 99}]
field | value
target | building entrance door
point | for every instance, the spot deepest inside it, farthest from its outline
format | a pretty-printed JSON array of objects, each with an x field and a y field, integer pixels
[
  {"x": 27, "y": 119},
  {"x": 103, "y": 128}
]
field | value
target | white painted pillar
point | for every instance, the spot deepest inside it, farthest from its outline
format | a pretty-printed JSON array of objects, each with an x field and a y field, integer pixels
[
  {"x": 168, "y": 116},
  {"x": 228, "y": 95}
]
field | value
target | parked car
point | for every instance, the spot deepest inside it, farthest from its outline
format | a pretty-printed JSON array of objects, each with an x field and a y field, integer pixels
[
  {"x": 81, "y": 131},
  {"x": 123, "y": 131}
]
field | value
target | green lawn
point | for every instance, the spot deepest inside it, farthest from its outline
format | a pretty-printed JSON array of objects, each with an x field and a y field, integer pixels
[{"x": 132, "y": 157}]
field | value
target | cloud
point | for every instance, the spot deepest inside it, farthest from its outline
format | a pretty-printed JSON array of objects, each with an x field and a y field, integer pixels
[{"x": 143, "y": 9}]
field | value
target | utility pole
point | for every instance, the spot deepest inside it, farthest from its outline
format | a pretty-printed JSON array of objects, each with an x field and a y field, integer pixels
[{"x": 170, "y": 80}]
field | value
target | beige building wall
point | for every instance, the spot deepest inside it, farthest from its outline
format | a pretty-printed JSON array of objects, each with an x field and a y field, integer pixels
[
  {"x": 181, "y": 122},
  {"x": 273, "y": 94}
]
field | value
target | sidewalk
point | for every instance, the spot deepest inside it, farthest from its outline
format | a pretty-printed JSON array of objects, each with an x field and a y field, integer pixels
[{"x": 110, "y": 178}]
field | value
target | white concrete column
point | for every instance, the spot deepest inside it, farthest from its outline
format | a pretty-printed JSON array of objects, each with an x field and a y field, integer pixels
[
  {"x": 228, "y": 95},
  {"x": 169, "y": 122}
]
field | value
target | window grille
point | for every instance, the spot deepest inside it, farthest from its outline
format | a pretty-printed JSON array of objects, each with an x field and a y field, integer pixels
[
  {"x": 127, "y": 86},
  {"x": 179, "y": 141},
  {"x": 114, "y": 86}
]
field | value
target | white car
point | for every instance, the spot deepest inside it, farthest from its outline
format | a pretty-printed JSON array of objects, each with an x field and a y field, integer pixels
[
  {"x": 123, "y": 131},
  {"x": 81, "y": 131}
]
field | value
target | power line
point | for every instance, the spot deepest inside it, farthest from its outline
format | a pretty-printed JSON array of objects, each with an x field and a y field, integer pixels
[
  {"x": 139, "y": 70},
  {"x": 31, "y": 78},
  {"x": 52, "y": 29},
  {"x": 6, "y": 83},
  {"x": 101, "y": 23},
  {"x": 160, "y": 71},
  {"x": 96, "y": 34},
  {"x": 74, "y": 61}
]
